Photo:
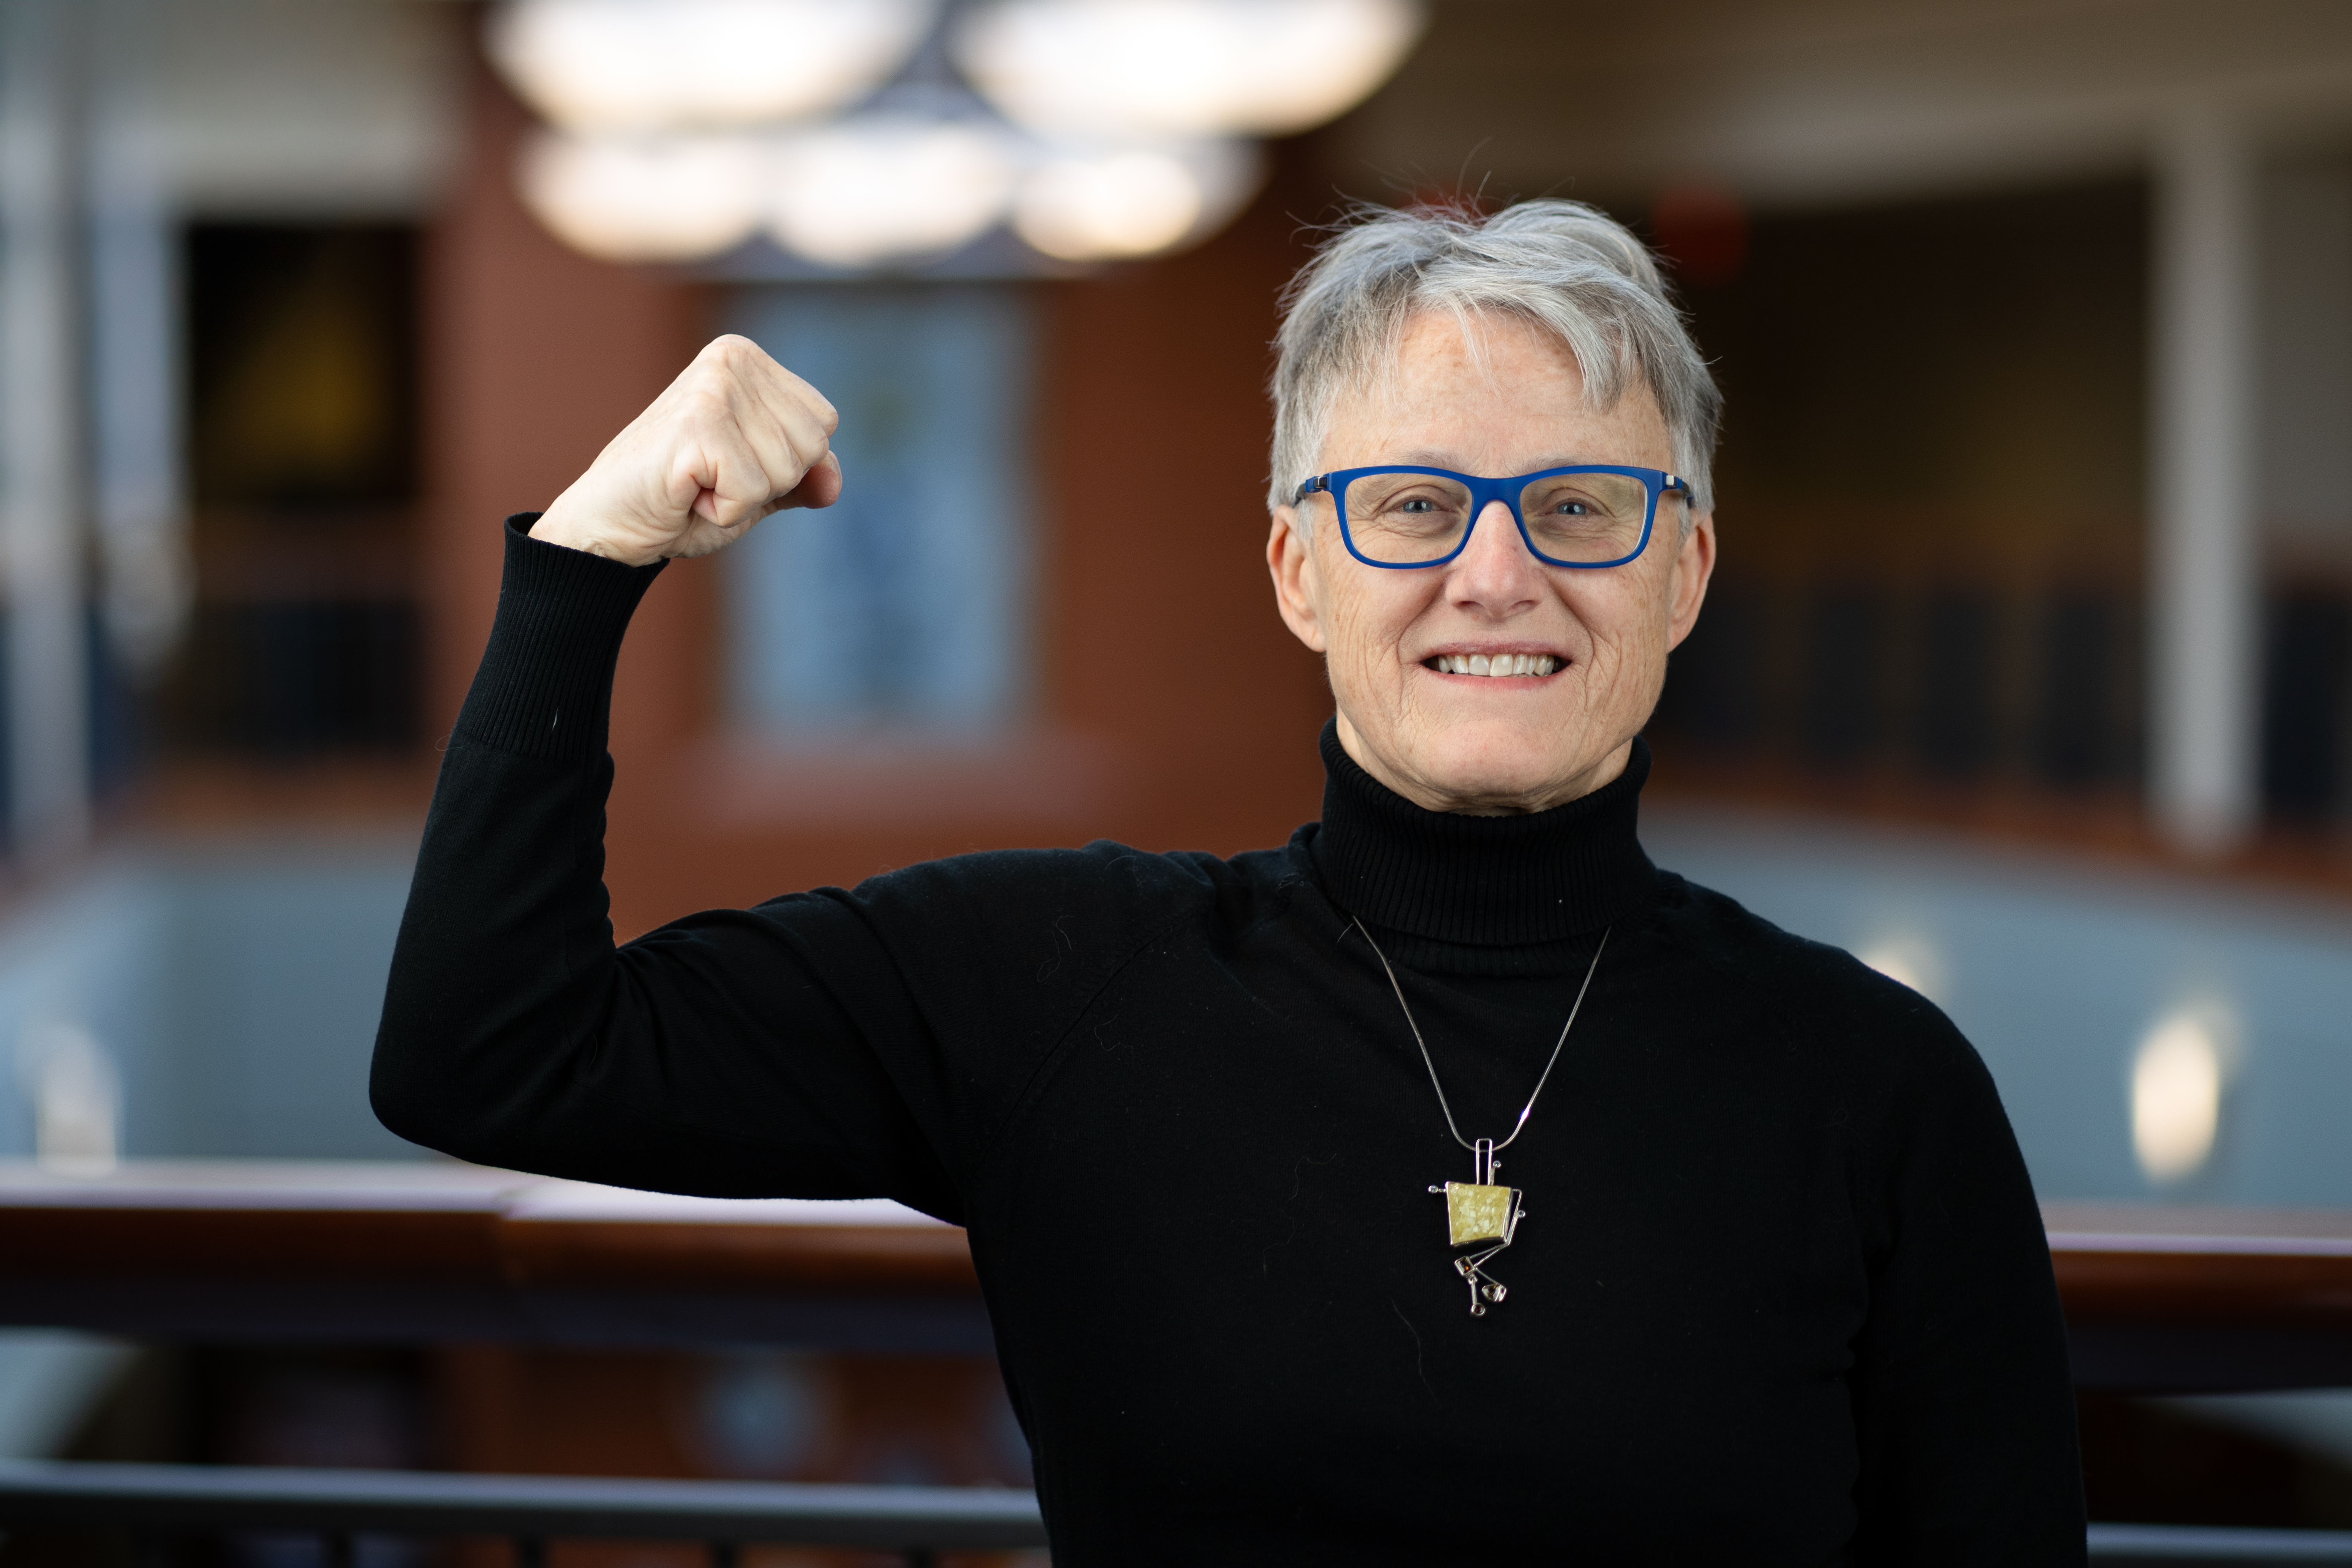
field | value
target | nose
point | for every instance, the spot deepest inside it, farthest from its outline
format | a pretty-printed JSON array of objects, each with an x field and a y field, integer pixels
[{"x": 1495, "y": 575}]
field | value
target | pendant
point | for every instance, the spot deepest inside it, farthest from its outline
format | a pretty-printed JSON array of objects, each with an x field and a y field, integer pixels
[{"x": 1480, "y": 1211}]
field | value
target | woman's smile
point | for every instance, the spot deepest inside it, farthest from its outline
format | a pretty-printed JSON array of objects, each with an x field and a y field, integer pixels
[{"x": 1497, "y": 664}]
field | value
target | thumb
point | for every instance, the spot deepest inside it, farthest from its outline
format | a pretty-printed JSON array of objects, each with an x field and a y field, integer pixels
[{"x": 820, "y": 486}]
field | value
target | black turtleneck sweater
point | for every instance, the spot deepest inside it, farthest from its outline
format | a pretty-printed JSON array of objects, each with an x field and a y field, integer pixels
[{"x": 1782, "y": 1294}]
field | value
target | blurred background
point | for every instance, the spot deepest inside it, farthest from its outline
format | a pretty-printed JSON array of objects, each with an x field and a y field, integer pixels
[{"x": 2027, "y": 673}]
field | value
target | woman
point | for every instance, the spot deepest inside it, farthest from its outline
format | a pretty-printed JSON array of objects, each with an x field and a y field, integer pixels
[{"x": 1448, "y": 1185}]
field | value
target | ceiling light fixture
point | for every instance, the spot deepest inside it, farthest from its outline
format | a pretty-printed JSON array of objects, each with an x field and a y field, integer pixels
[
  {"x": 684, "y": 126},
  {"x": 644, "y": 199},
  {"x": 1139, "y": 200},
  {"x": 889, "y": 188},
  {"x": 1181, "y": 68},
  {"x": 648, "y": 64}
]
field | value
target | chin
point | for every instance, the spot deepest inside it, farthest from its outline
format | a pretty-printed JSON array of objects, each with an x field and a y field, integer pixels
[{"x": 1497, "y": 768}]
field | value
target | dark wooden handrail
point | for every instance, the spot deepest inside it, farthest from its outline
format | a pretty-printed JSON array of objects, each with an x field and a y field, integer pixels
[
  {"x": 2154, "y": 1297},
  {"x": 439, "y": 1222},
  {"x": 2132, "y": 1263},
  {"x": 417, "y": 1252}
]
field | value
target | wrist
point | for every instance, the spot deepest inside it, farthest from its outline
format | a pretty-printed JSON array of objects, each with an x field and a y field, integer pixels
[{"x": 559, "y": 526}]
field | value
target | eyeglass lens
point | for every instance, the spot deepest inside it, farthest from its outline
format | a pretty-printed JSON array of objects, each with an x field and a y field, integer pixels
[{"x": 1407, "y": 519}]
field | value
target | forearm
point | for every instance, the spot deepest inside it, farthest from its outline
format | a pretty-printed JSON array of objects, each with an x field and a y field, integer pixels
[{"x": 504, "y": 956}]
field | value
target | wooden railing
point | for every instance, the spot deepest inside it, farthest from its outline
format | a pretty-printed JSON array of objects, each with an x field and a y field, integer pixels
[
  {"x": 2156, "y": 1298},
  {"x": 2205, "y": 1299},
  {"x": 425, "y": 1252}
]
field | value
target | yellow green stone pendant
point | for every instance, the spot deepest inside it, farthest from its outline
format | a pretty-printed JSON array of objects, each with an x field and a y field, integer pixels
[
  {"x": 1480, "y": 1211},
  {"x": 1481, "y": 1214}
]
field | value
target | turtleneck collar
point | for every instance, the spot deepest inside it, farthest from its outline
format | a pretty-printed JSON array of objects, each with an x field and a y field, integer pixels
[{"x": 1481, "y": 880}]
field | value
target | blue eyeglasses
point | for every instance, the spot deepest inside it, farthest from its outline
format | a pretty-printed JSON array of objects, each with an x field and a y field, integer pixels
[{"x": 1401, "y": 516}]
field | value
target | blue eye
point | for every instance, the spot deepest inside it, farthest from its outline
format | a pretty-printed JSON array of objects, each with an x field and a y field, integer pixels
[{"x": 1420, "y": 504}]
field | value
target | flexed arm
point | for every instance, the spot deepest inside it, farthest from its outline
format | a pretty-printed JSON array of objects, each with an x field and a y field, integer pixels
[{"x": 766, "y": 1051}]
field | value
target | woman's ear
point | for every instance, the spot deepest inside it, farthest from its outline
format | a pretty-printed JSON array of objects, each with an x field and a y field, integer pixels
[
  {"x": 1686, "y": 590},
  {"x": 1290, "y": 560}
]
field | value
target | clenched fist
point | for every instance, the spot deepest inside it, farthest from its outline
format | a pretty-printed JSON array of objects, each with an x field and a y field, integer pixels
[{"x": 735, "y": 437}]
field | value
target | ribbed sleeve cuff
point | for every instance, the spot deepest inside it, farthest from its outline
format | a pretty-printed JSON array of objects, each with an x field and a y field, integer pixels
[{"x": 545, "y": 686}]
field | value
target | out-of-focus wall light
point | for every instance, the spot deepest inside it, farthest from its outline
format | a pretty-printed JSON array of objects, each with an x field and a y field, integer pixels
[
  {"x": 644, "y": 199},
  {"x": 1106, "y": 205},
  {"x": 1908, "y": 960},
  {"x": 77, "y": 1096},
  {"x": 2176, "y": 1094},
  {"x": 648, "y": 64},
  {"x": 886, "y": 188},
  {"x": 1182, "y": 68}
]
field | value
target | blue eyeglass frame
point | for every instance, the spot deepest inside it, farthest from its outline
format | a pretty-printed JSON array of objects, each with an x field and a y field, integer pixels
[{"x": 1483, "y": 490}]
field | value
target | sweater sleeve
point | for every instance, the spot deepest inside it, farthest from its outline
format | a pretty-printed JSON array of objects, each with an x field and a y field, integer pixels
[
  {"x": 1963, "y": 1398},
  {"x": 775, "y": 1051}
]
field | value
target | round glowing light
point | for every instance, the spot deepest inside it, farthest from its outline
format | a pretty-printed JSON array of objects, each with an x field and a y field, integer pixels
[
  {"x": 2176, "y": 1097},
  {"x": 662, "y": 199},
  {"x": 1910, "y": 961},
  {"x": 642, "y": 65},
  {"x": 885, "y": 189},
  {"x": 1107, "y": 204},
  {"x": 1086, "y": 209},
  {"x": 77, "y": 1094},
  {"x": 1182, "y": 68}
]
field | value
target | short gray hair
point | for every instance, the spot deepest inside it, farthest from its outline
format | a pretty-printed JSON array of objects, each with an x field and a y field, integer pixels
[{"x": 1568, "y": 269}]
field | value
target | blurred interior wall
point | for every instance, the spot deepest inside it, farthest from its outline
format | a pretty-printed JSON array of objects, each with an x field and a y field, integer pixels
[
  {"x": 2305, "y": 437},
  {"x": 2303, "y": 449}
]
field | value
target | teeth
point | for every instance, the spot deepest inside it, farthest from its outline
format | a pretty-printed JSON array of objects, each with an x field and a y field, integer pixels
[{"x": 1499, "y": 664}]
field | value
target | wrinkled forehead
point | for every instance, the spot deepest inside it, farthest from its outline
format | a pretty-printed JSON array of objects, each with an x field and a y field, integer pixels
[{"x": 1484, "y": 389}]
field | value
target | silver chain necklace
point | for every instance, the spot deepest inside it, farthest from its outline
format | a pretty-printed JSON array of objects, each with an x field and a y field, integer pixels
[{"x": 1480, "y": 1214}]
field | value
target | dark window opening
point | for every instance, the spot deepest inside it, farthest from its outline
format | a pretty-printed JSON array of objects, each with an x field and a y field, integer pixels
[
  {"x": 2307, "y": 681},
  {"x": 303, "y": 419}
]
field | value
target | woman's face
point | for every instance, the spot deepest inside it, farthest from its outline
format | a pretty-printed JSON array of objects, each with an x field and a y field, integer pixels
[{"x": 1480, "y": 743}]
